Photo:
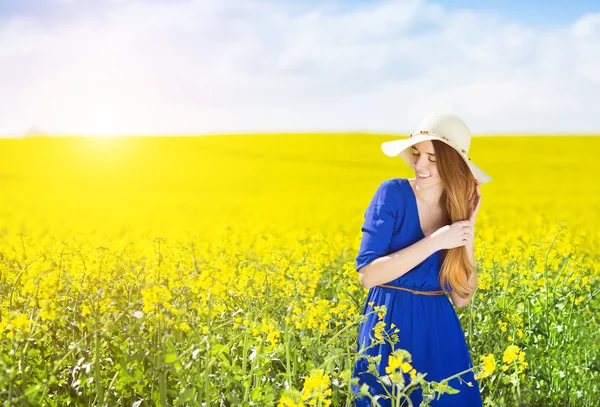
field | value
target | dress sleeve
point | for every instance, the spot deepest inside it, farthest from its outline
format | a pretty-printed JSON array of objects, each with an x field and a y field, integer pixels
[{"x": 378, "y": 226}]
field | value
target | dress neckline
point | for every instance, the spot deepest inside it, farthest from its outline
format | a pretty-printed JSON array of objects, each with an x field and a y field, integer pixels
[{"x": 414, "y": 200}]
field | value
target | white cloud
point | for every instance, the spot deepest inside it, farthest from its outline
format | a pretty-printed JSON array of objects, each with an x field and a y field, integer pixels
[{"x": 220, "y": 66}]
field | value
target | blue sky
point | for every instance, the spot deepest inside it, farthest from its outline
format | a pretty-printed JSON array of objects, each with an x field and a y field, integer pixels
[
  {"x": 217, "y": 66},
  {"x": 529, "y": 12},
  {"x": 546, "y": 14}
]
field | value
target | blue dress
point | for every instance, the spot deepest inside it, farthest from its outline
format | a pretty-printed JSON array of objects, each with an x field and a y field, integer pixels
[{"x": 429, "y": 327}]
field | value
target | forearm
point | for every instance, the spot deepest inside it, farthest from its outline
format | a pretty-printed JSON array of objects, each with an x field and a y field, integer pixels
[{"x": 387, "y": 268}]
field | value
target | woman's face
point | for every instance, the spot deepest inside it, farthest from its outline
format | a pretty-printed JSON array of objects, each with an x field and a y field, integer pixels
[{"x": 424, "y": 163}]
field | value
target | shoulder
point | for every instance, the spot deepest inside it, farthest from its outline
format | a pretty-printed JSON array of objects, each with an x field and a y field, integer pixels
[
  {"x": 392, "y": 185},
  {"x": 390, "y": 192}
]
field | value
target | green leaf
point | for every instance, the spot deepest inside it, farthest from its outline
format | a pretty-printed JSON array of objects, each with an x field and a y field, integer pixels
[
  {"x": 185, "y": 396},
  {"x": 170, "y": 357}
]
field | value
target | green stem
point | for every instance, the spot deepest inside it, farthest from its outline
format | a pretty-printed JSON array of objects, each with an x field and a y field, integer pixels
[
  {"x": 97, "y": 373},
  {"x": 338, "y": 333},
  {"x": 162, "y": 387},
  {"x": 287, "y": 356},
  {"x": 208, "y": 348}
]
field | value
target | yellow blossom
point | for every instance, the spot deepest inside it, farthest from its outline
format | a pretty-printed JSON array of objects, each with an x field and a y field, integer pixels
[
  {"x": 394, "y": 362},
  {"x": 378, "y": 329},
  {"x": 502, "y": 325},
  {"x": 489, "y": 365},
  {"x": 510, "y": 354},
  {"x": 316, "y": 388}
]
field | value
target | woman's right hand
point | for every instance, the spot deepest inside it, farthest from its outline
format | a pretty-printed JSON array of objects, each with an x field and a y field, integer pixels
[{"x": 455, "y": 235}]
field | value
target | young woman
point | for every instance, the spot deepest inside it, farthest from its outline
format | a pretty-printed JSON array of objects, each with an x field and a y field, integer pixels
[{"x": 417, "y": 245}]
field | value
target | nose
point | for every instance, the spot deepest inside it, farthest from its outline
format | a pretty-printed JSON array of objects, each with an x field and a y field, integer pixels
[{"x": 422, "y": 162}]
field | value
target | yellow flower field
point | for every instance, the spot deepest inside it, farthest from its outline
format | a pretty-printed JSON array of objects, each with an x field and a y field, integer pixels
[{"x": 219, "y": 270}]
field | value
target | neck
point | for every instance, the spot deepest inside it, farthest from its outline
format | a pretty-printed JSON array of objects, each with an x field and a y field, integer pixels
[{"x": 429, "y": 194}]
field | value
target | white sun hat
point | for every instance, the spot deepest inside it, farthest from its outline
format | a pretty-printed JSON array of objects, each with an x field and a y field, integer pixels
[{"x": 444, "y": 127}]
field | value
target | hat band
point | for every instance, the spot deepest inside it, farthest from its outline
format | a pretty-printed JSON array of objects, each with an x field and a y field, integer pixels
[{"x": 445, "y": 138}]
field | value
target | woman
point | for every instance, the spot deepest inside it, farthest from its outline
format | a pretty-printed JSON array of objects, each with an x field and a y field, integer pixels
[{"x": 417, "y": 245}]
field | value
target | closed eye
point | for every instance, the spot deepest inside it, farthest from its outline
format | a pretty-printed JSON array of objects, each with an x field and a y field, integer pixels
[{"x": 429, "y": 159}]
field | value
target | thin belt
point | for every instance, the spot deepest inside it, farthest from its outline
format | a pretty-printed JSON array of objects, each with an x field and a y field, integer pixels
[{"x": 440, "y": 292}]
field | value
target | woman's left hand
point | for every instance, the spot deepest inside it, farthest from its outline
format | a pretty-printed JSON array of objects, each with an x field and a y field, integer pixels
[{"x": 474, "y": 203}]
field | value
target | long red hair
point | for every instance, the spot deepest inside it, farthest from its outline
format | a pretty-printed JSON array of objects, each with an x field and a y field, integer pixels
[{"x": 458, "y": 186}]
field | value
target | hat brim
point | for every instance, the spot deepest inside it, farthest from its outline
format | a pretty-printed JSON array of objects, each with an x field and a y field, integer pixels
[{"x": 402, "y": 148}]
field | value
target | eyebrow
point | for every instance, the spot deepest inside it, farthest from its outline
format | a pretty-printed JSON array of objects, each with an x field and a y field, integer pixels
[{"x": 415, "y": 148}]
